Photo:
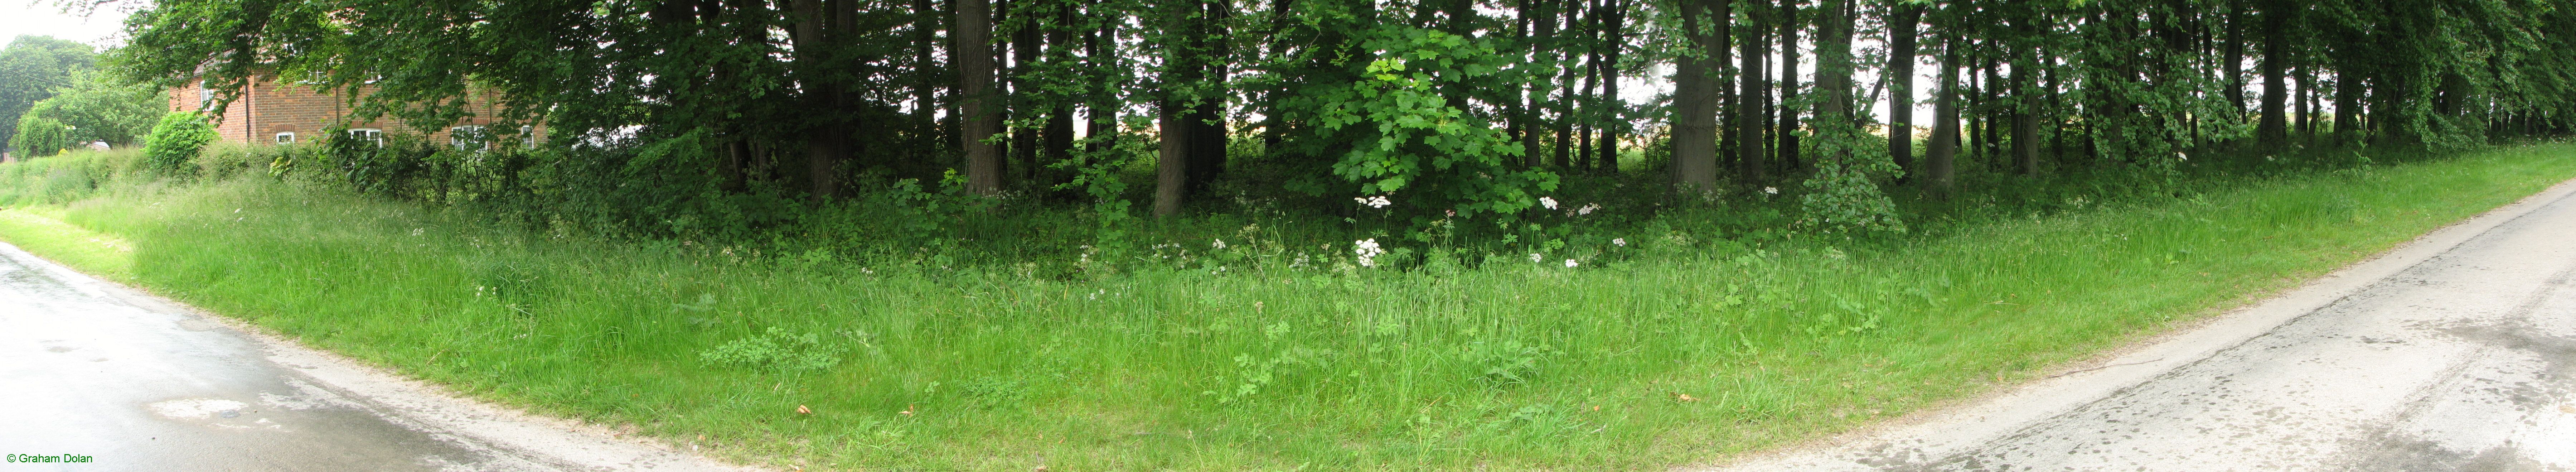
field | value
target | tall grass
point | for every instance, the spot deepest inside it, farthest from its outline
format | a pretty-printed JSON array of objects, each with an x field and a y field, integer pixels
[{"x": 1256, "y": 356}]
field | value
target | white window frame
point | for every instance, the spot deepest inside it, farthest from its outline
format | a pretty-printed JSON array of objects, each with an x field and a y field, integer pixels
[
  {"x": 372, "y": 135},
  {"x": 285, "y": 137},
  {"x": 457, "y": 137},
  {"x": 528, "y": 136}
]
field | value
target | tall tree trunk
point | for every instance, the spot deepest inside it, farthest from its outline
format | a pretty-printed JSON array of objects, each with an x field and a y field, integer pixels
[
  {"x": 1207, "y": 137},
  {"x": 1938, "y": 162},
  {"x": 1024, "y": 56},
  {"x": 1059, "y": 119},
  {"x": 2271, "y": 131},
  {"x": 2025, "y": 130},
  {"x": 2235, "y": 65},
  {"x": 2347, "y": 120},
  {"x": 1694, "y": 119},
  {"x": 1789, "y": 26},
  {"x": 826, "y": 143},
  {"x": 1101, "y": 109},
  {"x": 1614, "y": 110},
  {"x": 973, "y": 55},
  {"x": 925, "y": 27},
  {"x": 1902, "y": 32},
  {"x": 1749, "y": 113},
  {"x": 1565, "y": 107},
  {"x": 1171, "y": 165},
  {"x": 1833, "y": 87}
]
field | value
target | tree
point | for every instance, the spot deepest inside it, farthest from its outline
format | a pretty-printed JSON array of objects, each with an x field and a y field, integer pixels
[
  {"x": 31, "y": 67},
  {"x": 100, "y": 111},
  {"x": 1695, "y": 97}
]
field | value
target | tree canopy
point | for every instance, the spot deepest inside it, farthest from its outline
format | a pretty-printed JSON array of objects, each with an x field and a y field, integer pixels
[
  {"x": 1452, "y": 107},
  {"x": 31, "y": 67}
]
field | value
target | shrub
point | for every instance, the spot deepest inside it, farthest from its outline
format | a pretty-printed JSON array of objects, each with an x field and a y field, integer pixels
[
  {"x": 174, "y": 143},
  {"x": 39, "y": 137}
]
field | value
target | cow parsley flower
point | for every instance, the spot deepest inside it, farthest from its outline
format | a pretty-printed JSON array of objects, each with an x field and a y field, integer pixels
[
  {"x": 1771, "y": 190},
  {"x": 1587, "y": 209},
  {"x": 1550, "y": 203},
  {"x": 1220, "y": 244},
  {"x": 1374, "y": 202},
  {"x": 1569, "y": 263},
  {"x": 1620, "y": 242},
  {"x": 1534, "y": 258},
  {"x": 1368, "y": 251}
]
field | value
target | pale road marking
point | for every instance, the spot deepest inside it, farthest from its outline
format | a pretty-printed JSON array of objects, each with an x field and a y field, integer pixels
[
  {"x": 136, "y": 382},
  {"x": 2456, "y": 351}
]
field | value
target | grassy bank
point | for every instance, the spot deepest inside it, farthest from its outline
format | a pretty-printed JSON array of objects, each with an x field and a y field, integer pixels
[{"x": 1258, "y": 357}]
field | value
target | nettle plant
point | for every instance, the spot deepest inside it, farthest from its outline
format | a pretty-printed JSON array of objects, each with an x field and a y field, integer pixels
[{"x": 1410, "y": 134}]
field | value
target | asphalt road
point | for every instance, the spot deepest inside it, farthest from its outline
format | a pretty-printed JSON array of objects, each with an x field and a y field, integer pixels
[
  {"x": 93, "y": 371},
  {"x": 2456, "y": 352}
]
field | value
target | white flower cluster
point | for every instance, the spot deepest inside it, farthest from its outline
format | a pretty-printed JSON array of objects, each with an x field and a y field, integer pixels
[
  {"x": 1220, "y": 244},
  {"x": 1620, "y": 242},
  {"x": 1368, "y": 251},
  {"x": 1771, "y": 190},
  {"x": 1569, "y": 263},
  {"x": 1534, "y": 258},
  {"x": 1374, "y": 202},
  {"x": 1550, "y": 203},
  {"x": 1587, "y": 209}
]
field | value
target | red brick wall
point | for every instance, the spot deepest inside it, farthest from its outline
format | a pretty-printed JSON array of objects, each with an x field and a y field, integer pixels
[{"x": 271, "y": 108}]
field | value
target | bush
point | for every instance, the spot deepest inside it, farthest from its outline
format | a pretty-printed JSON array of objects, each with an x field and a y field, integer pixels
[
  {"x": 40, "y": 137},
  {"x": 174, "y": 144}
]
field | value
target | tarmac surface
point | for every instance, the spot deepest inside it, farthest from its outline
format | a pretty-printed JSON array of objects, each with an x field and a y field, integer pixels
[
  {"x": 2456, "y": 352},
  {"x": 96, "y": 376}
]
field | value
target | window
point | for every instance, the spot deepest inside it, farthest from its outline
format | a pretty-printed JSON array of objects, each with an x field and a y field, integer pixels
[
  {"x": 370, "y": 135},
  {"x": 467, "y": 138},
  {"x": 205, "y": 96},
  {"x": 286, "y": 137},
  {"x": 528, "y": 136}
]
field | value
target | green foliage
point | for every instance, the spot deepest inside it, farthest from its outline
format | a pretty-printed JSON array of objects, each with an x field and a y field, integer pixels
[
  {"x": 31, "y": 67},
  {"x": 39, "y": 136},
  {"x": 776, "y": 350},
  {"x": 1407, "y": 135},
  {"x": 176, "y": 141},
  {"x": 1843, "y": 194},
  {"x": 100, "y": 111},
  {"x": 1494, "y": 363}
]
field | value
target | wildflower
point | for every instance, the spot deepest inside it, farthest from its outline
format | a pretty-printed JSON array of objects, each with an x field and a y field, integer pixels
[
  {"x": 1374, "y": 202},
  {"x": 1587, "y": 209},
  {"x": 1771, "y": 190},
  {"x": 1569, "y": 263},
  {"x": 1534, "y": 258},
  {"x": 1620, "y": 242},
  {"x": 1220, "y": 244},
  {"x": 1368, "y": 251},
  {"x": 1550, "y": 203}
]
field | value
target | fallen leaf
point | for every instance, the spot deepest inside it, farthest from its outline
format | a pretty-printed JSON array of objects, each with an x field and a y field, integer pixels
[
  {"x": 802, "y": 410},
  {"x": 1683, "y": 397}
]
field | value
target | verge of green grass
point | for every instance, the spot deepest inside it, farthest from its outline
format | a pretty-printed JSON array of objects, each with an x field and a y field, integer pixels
[{"x": 1682, "y": 352}]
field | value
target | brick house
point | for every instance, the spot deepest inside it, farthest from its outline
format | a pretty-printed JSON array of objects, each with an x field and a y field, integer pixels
[{"x": 274, "y": 113}]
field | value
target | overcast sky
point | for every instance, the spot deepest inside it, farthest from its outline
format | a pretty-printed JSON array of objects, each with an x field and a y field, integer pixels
[{"x": 47, "y": 18}]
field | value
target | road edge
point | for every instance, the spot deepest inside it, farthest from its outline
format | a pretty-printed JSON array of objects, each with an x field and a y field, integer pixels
[
  {"x": 418, "y": 404},
  {"x": 2074, "y": 383}
]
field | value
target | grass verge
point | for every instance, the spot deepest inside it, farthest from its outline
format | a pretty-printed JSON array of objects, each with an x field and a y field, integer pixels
[{"x": 1681, "y": 352}]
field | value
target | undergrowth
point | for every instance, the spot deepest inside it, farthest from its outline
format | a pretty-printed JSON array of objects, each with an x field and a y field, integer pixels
[{"x": 1004, "y": 336}]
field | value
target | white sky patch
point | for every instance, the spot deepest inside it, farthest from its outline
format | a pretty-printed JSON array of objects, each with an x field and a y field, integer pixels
[{"x": 103, "y": 27}]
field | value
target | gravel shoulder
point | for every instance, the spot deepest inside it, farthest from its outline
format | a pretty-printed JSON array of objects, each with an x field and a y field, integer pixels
[{"x": 2456, "y": 351}]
